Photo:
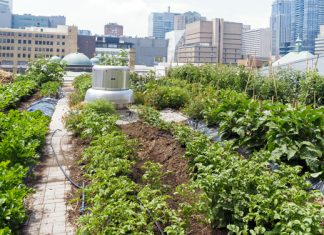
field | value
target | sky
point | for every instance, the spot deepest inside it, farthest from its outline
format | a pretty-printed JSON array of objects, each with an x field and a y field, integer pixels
[{"x": 133, "y": 14}]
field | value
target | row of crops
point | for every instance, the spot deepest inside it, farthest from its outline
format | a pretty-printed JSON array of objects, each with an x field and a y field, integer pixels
[
  {"x": 115, "y": 203},
  {"x": 22, "y": 137},
  {"x": 257, "y": 179}
]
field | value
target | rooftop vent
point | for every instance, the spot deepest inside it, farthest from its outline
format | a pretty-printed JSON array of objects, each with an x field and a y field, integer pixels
[{"x": 110, "y": 83}]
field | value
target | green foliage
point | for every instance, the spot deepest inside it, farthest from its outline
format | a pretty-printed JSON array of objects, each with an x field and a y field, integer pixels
[
  {"x": 37, "y": 73},
  {"x": 312, "y": 89},
  {"x": 22, "y": 135},
  {"x": 12, "y": 195},
  {"x": 81, "y": 84},
  {"x": 43, "y": 71},
  {"x": 248, "y": 196},
  {"x": 117, "y": 60},
  {"x": 162, "y": 97},
  {"x": 101, "y": 107},
  {"x": 139, "y": 83},
  {"x": 115, "y": 203},
  {"x": 50, "y": 89},
  {"x": 11, "y": 94},
  {"x": 88, "y": 124}
]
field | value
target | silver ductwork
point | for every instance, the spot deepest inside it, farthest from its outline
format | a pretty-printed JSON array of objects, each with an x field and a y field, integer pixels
[{"x": 110, "y": 83}]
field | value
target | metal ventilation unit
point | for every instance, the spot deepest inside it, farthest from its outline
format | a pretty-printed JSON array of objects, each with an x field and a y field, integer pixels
[{"x": 110, "y": 83}]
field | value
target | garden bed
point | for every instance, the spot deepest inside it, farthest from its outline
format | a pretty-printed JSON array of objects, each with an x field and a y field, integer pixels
[{"x": 161, "y": 147}]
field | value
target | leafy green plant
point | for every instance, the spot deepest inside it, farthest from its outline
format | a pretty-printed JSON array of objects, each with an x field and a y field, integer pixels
[
  {"x": 22, "y": 135},
  {"x": 166, "y": 97},
  {"x": 120, "y": 59},
  {"x": 50, "y": 89},
  {"x": 115, "y": 203},
  {"x": 81, "y": 84}
]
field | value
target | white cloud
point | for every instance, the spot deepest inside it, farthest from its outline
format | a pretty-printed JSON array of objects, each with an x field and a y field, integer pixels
[{"x": 133, "y": 14}]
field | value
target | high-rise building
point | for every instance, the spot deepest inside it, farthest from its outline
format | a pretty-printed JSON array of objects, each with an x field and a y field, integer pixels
[
  {"x": 281, "y": 25},
  {"x": 180, "y": 21},
  {"x": 305, "y": 18},
  {"x": 28, "y": 20},
  {"x": 257, "y": 42},
  {"x": 18, "y": 46},
  {"x": 114, "y": 30},
  {"x": 161, "y": 23},
  {"x": 5, "y": 13},
  {"x": 319, "y": 42},
  {"x": 215, "y": 41}
]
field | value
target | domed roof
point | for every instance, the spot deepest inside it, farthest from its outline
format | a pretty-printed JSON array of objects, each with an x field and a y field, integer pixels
[
  {"x": 95, "y": 60},
  {"x": 55, "y": 59},
  {"x": 77, "y": 59}
]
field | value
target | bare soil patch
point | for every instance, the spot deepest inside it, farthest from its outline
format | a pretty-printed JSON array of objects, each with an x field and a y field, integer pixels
[{"x": 160, "y": 147}]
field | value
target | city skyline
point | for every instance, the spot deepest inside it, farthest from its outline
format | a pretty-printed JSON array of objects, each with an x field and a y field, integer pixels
[{"x": 92, "y": 15}]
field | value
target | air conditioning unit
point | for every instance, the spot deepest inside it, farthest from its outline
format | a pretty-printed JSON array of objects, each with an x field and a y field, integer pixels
[{"x": 110, "y": 83}]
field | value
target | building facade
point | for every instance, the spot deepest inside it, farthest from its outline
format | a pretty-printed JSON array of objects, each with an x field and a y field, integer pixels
[
  {"x": 114, "y": 30},
  {"x": 148, "y": 51},
  {"x": 295, "y": 19},
  {"x": 215, "y": 41},
  {"x": 319, "y": 42},
  {"x": 19, "y": 46},
  {"x": 281, "y": 25},
  {"x": 257, "y": 43},
  {"x": 5, "y": 13},
  {"x": 27, "y": 20},
  {"x": 180, "y": 21},
  {"x": 161, "y": 23},
  {"x": 175, "y": 40},
  {"x": 87, "y": 45}
]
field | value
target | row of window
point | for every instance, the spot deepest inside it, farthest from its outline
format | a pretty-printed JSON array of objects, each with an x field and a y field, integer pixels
[
  {"x": 12, "y": 34},
  {"x": 20, "y": 41},
  {"x": 11, "y": 48},
  {"x": 24, "y": 55}
]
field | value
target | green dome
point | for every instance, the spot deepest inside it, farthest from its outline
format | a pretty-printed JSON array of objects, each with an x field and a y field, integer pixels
[
  {"x": 55, "y": 59},
  {"x": 95, "y": 60},
  {"x": 77, "y": 59}
]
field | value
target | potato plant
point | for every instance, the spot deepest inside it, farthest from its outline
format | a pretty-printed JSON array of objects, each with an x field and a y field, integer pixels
[{"x": 115, "y": 203}]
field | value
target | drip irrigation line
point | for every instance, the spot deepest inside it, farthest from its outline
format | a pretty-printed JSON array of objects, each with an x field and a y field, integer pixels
[{"x": 158, "y": 225}]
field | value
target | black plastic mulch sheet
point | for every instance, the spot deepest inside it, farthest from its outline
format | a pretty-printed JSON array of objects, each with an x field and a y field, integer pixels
[{"x": 46, "y": 106}]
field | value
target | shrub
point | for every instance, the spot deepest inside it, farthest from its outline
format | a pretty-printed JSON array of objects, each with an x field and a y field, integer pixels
[
  {"x": 50, "y": 89},
  {"x": 167, "y": 97},
  {"x": 81, "y": 84}
]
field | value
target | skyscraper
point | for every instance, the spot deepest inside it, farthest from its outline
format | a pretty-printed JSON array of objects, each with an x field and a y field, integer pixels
[
  {"x": 5, "y": 13},
  {"x": 180, "y": 21},
  {"x": 305, "y": 18},
  {"x": 281, "y": 25},
  {"x": 161, "y": 23}
]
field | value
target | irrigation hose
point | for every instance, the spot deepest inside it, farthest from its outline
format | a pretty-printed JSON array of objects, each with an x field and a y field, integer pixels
[
  {"x": 60, "y": 166},
  {"x": 82, "y": 209}
]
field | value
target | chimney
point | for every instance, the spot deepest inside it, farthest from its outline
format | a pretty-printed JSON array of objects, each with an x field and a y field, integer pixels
[{"x": 169, "y": 9}]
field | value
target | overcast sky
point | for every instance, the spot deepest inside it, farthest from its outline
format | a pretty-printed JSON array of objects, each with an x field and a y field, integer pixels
[{"x": 133, "y": 14}]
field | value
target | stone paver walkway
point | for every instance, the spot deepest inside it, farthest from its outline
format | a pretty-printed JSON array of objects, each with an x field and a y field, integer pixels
[{"x": 49, "y": 206}]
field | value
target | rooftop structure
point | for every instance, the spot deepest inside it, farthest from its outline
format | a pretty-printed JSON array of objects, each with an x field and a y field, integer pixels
[{"x": 114, "y": 30}]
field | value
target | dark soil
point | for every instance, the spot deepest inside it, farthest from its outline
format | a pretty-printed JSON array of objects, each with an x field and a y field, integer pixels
[
  {"x": 74, "y": 196},
  {"x": 160, "y": 147}
]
